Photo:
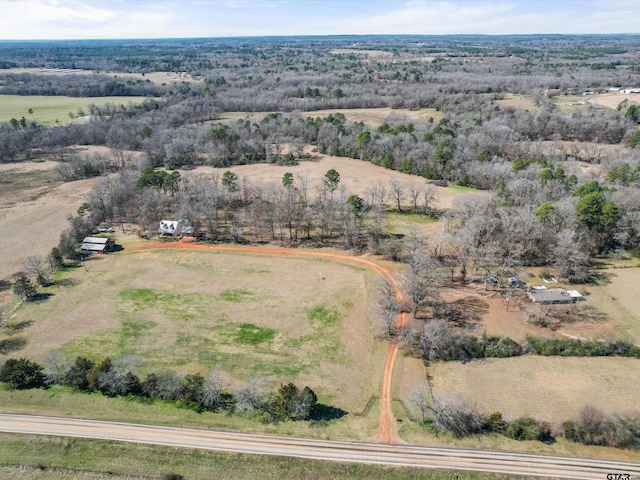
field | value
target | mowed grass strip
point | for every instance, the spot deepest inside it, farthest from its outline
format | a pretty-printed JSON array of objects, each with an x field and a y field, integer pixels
[
  {"x": 288, "y": 319},
  {"x": 50, "y": 456},
  {"x": 49, "y": 109}
]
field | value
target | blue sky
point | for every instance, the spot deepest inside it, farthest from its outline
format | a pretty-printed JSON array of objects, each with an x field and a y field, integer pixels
[{"x": 82, "y": 19}]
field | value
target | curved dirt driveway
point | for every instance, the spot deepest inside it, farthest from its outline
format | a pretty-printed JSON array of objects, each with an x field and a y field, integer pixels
[{"x": 387, "y": 431}]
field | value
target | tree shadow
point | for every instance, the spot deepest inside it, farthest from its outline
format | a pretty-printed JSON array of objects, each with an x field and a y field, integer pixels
[
  {"x": 12, "y": 328},
  {"x": 41, "y": 297},
  {"x": 4, "y": 285},
  {"x": 9, "y": 345},
  {"x": 323, "y": 412},
  {"x": 64, "y": 282}
]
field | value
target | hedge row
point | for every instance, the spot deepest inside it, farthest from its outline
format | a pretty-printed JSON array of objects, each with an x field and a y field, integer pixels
[{"x": 193, "y": 391}]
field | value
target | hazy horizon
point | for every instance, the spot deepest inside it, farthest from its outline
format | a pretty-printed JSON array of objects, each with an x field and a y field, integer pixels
[{"x": 172, "y": 19}]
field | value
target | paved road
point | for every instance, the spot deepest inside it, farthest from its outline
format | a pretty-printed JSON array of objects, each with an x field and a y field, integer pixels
[{"x": 398, "y": 455}]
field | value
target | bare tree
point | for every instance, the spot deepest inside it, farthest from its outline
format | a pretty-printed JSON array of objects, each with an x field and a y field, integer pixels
[
  {"x": 396, "y": 193},
  {"x": 428, "y": 198},
  {"x": 211, "y": 393},
  {"x": 415, "y": 192},
  {"x": 252, "y": 395},
  {"x": 388, "y": 307},
  {"x": 56, "y": 365},
  {"x": 419, "y": 397},
  {"x": 40, "y": 268},
  {"x": 454, "y": 415},
  {"x": 168, "y": 385}
]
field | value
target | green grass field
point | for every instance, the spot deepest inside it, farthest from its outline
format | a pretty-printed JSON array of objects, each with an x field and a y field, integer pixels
[
  {"x": 287, "y": 319},
  {"x": 48, "y": 110},
  {"x": 53, "y": 458}
]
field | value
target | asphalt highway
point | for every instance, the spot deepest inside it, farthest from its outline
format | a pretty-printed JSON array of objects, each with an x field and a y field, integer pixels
[{"x": 398, "y": 455}]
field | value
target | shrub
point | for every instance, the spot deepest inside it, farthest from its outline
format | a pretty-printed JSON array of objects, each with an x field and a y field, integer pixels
[
  {"x": 496, "y": 424},
  {"x": 527, "y": 428},
  {"x": 22, "y": 373}
]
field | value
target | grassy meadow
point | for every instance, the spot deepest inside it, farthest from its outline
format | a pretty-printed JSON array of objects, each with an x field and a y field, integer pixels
[
  {"x": 288, "y": 319},
  {"x": 50, "y": 110},
  {"x": 552, "y": 389}
]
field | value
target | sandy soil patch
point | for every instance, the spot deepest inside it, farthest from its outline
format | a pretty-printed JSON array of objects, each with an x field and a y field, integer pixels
[{"x": 548, "y": 388}]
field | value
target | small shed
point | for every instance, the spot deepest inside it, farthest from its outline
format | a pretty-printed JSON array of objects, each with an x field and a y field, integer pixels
[{"x": 97, "y": 244}]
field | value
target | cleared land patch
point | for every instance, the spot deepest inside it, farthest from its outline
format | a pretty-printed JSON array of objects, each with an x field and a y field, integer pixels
[
  {"x": 301, "y": 320},
  {"x": 617, "y": 297},
  {"x": 547, "y": 388},
  {"x": 370, "y": 116},
  {"x": 518, "y": 101},
  {"x": 34, "y": 207},
  {"x": 48, "y": 109},
  {"x": 356, "y": 175}
]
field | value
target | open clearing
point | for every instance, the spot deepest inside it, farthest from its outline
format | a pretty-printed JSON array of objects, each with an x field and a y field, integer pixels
[
  {"x": 291, "y": 319},
  {"x": 517, "y": 101},
  {"x": 612, "y": 100},
  {"x": 370, "y": 116},
  {"x": 356, "y": 175},
  {"x": 155, "y": 77},
  {"x": 617, "y": 297},
  {"x": 50, "y": 110},
  {"x": 34, "y": 206},
  {"x": 547, "y": 388}
]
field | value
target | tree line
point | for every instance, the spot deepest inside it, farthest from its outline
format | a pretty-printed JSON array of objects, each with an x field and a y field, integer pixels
[
  {"x": 213, "y": 392},
  {"x": 456, "y": 416}
]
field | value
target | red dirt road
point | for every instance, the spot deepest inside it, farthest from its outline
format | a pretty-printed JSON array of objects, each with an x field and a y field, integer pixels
[{"x": 387, "y": 431}]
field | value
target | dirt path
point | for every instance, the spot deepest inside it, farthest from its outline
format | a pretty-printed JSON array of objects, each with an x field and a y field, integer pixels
[{"x": 387, "y": 431}]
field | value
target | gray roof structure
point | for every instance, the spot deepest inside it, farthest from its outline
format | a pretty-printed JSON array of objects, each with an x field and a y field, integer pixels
[
  {"x": 545, "y": 295},
  {"x": 93, "y": 247},
  {"x": 98, "y": 240}
]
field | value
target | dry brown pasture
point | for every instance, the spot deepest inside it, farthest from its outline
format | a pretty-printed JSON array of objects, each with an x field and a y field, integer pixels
[
  {"x": 616, "y": 296},
  {"x": 34, "y": 213},
  {"x": 291, "y": 319},
  {"x": 552, "y": 389},
  {"x": 356, "y": 175},
  {"x": 370, "y": 116},
  {"x": 524, "y": 102},
  {"x": 34, "y": 206},
  {"x": 613, "y": 99}
]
